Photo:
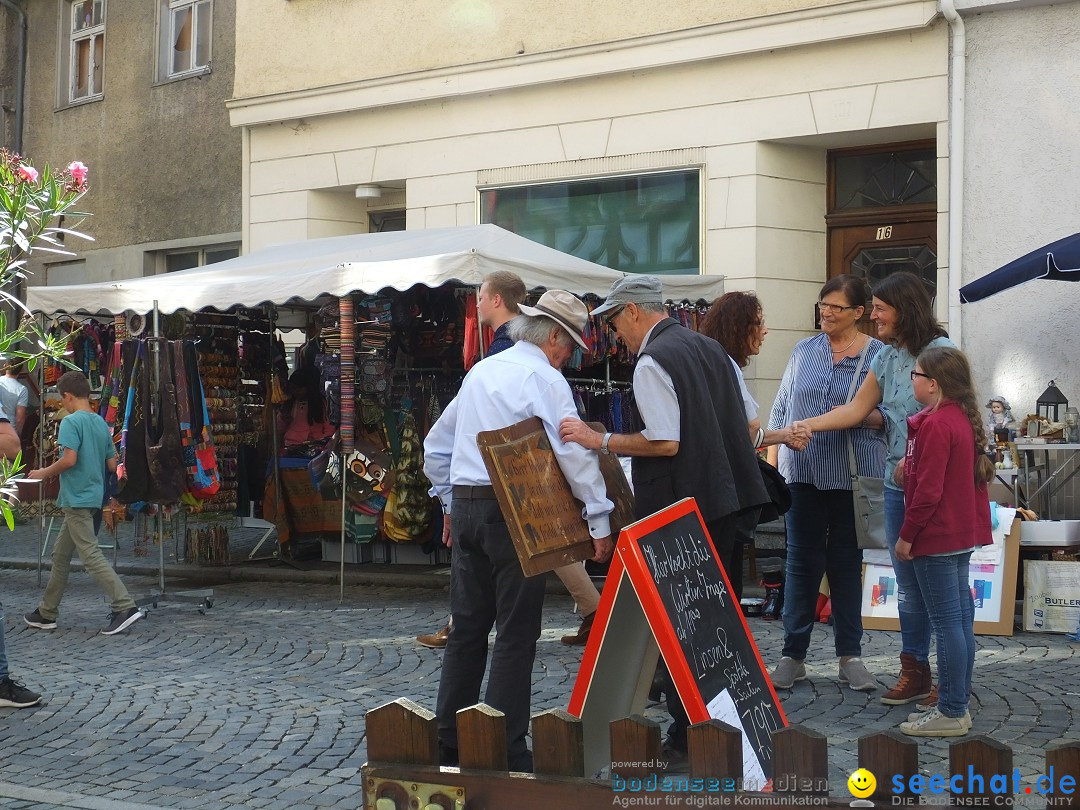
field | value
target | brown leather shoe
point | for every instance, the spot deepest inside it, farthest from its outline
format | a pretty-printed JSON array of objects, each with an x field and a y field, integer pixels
[
  {"x": 915, "y": 682},
  {"x": 436, "y": 640},
  {"x": 582, "y": 635}
]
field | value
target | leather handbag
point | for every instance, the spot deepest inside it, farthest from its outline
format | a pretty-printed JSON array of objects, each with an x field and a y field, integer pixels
[
  {"x": 779, "y": 493},
  {"x": 164, "y": 449},
  {"x": 867, "y": 493}
]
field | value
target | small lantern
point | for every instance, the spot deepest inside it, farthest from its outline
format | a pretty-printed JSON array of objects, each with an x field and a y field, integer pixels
[{"x": 1049, "y": 401}]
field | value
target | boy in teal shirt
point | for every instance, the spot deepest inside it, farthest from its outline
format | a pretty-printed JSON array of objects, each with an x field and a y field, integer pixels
[{"x": 87, "y": 450}]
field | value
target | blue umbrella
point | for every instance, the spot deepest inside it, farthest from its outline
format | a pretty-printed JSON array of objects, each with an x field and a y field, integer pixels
[{"x": 1059, "y": 261}]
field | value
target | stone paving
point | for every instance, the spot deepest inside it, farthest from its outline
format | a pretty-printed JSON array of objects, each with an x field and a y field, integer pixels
[{"x": 260, "y": 702}]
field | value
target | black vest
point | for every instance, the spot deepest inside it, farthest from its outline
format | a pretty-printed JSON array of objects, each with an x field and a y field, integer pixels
[{"x": 715, "y": 463}]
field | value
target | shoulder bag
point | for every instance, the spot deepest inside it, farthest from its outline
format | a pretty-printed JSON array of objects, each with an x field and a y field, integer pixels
[{"x": 867, "y": 493}]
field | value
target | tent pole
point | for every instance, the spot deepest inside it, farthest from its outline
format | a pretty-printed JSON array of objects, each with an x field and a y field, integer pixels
[{"x": 157, "y": 393}]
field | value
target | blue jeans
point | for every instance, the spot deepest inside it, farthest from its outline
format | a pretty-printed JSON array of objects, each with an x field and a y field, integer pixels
[
  {"x": 947, "y": 594},
  {"x": 914, "y": 623},
  {"x": 3, "y": 651},
  {"x": 821, "y": 540}
]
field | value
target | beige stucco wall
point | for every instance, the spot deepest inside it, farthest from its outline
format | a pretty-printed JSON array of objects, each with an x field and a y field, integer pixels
[
  {"x": 366, "y": 39},
  {"x": 757, "y": 124},
  {"x": 165, "y": 164}
]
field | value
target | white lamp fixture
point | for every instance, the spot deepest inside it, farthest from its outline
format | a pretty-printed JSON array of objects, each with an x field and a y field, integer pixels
[{"x": 368, "y": 192}]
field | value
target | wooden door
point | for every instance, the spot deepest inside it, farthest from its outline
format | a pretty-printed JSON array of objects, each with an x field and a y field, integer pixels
[{"x": 882, "y": 215}]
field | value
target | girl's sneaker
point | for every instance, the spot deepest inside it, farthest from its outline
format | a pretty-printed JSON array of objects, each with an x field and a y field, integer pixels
[{"x": 935, "y": 724}]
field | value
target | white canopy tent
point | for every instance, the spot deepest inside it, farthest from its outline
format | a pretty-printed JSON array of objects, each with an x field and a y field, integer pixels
[{"x": 303, "y": 271}]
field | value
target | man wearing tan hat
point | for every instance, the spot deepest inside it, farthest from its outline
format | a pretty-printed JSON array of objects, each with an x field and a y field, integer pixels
[
  {"x": 487, "y": 587},
  {"x": 497, "y": 304},
  {"x": 694, "y": 443}
]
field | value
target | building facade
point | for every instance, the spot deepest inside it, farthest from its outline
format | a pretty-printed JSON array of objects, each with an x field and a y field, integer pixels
[
  {"x": 769, "y": 143},
  {"x": 137, "y": 92}
]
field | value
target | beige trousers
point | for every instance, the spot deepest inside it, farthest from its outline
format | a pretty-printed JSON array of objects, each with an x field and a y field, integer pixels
[{"x": 581, "y": 588}]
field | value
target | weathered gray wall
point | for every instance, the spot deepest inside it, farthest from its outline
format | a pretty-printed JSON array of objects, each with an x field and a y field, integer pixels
[{"x": 164, "y": 161}]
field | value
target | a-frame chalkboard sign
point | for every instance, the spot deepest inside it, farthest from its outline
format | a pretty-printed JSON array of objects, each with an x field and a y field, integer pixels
[{"x": 666, "y": 592}]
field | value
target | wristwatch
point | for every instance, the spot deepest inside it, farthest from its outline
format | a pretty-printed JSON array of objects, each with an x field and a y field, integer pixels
[{"x": 604, "y": 444}]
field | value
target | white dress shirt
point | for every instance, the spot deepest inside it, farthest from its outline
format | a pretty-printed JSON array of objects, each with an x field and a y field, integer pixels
[{"x": 499, "y": 391}]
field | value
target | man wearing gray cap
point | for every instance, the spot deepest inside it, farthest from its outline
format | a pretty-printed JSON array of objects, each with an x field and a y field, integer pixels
[
  {"x": 695, "y": 442},
  {"x": 487, "y": 586}
]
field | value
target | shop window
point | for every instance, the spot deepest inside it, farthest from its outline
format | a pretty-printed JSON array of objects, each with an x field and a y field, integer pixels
[
  {"x": 646, "y": 223},
  {"x": 184, "y": 38},
  {"x": 84, "y": 54},
  {"x": 198, "y": 257}
]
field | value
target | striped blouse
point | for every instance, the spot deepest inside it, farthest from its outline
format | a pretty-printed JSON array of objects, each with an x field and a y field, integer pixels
[{"x": 813, "y": 385}]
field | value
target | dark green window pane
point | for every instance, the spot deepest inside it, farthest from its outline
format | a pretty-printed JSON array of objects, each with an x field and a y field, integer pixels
[
  {"x": 886, "y": 178},
  {"x": 642, "y": 224}
]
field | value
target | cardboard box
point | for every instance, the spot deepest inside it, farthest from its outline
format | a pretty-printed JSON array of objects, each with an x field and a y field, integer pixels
[
  {"x": 1051, "y": 596},
  {"x": 1062, "y": 533}
]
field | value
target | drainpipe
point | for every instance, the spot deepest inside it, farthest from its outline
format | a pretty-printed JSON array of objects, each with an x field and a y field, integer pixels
[
  {"x": 957, "y": 78},
  {"x": 20, "y": 75}
]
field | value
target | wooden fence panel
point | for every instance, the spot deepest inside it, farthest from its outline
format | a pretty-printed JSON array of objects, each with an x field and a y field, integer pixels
[
  {"x": 800, "y": 761},
  {"x": 558, "y": 744},
  {"x": 635, "y": 747},
  {"x": 404, "y": 732},
  {"x": 714, "y": 750},
  {"x": 985, "y": 757},
  {"x": 889, "y": 752},
  {"x": 1063, "y": 759},
  {"x": 481, "y": 733}
]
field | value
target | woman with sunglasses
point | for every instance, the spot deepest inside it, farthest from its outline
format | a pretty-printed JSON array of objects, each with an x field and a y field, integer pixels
[
  {"x": 821, "y": 537},
  {"x": 903, "y": 312}
]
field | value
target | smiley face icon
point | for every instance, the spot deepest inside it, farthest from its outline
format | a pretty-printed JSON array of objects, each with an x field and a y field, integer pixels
[{"x": 861, "y": 783}]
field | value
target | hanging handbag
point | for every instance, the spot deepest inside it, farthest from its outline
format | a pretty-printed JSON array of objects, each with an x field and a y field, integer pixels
[
  {"x": 164, "y": 452},
  {"x": 207, "y": 479},
  {"x": 132, "y": 472},
  {"x": 867, "y": 493}
]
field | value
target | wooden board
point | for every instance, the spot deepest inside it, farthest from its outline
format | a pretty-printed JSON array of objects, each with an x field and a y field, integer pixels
[
  {"x": 668, "y": 563},
  {"x": 1000, "y": 622},
  {"x": 541, "y": 513}
]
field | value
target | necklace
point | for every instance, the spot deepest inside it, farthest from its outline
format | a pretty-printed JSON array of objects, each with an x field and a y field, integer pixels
[{"x": 852, "y": 343}]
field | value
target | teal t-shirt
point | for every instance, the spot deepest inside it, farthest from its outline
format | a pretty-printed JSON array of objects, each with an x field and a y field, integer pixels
[
  {"x": 892, "y": 367},
  {"x": 83, "y": 486}
]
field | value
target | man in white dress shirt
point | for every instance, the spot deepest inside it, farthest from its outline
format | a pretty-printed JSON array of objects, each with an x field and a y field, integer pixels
[{"x": 487, "y": 586}]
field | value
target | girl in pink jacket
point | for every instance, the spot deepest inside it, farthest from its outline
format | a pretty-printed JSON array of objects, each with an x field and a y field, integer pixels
[{"x": 947, "y": 515}]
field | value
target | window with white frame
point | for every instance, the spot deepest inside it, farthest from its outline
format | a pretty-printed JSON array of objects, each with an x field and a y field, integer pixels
[
  {"x": 187, "y": 258},
  {"x": 640, "y": 223},
  {"x": 185, "y": 37},
  {"x": 86, "y": 49}
]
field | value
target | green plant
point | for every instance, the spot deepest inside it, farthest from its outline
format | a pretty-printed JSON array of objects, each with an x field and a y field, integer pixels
[{"x": 32, "y": 203}]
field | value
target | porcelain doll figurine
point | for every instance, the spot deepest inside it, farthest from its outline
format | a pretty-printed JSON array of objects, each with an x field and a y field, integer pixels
[{"x": 1000, "y": 416}]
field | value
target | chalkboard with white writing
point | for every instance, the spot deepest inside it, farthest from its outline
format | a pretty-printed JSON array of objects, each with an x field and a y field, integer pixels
[{"x": 719, "y": 661}]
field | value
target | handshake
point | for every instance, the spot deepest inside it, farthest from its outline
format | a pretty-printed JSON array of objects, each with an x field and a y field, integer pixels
[{"x": 797, "y": 435}]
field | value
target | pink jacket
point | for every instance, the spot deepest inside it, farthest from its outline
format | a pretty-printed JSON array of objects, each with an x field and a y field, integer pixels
[{"x": 944, "y": 509}]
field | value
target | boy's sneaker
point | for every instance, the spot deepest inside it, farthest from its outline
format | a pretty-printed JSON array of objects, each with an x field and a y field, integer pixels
[
  {"x": 14, "y": 695},
  {"x": 35, "y": 619},
  {"x": 121, "y": 620}
]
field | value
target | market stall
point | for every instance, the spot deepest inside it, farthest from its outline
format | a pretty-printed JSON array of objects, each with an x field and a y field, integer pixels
[{"x": 394, "y": 309}]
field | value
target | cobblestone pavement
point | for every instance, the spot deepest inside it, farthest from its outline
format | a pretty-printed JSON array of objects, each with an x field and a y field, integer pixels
[{"x": 260, "y": 702}]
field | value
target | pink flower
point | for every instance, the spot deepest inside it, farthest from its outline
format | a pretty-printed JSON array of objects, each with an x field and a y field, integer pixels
[
  {"x": 78, "y": 172},
  {"x": 28, "y": 173}
]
